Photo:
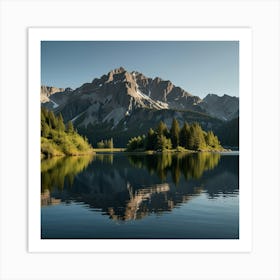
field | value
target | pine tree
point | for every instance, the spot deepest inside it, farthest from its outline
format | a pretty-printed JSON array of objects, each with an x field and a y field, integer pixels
[
  {"x": 212, "y": 140},
  {"x": 190, "y": 138},
  {"x": 45, "y": 130},
  {"x": 174, "y": 133},
  {"x": 163, "y": 143},
  {"x": 70, "y": 127},
  {"x": 60, "y": 123},
  {"x": 43, "y": 115},
  {"x": 52, "y": 120},
  {"x": 162, "y": 129},
  {"x": 100, "y": 145},
  {"x": 151, "y": 140},
  {"x": 110, "y": 143},
  {"x": 217, "y": 143},
  {"x": 132, "y": 144},
  {"x": 184, "y": 135},
  {"x": 198, "y": 137}
]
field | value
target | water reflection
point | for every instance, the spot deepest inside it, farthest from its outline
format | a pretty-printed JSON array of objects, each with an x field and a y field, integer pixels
[
  {"x": 130, "y": 187},
  {"x": 106, "y": 158},
  {"x": 59, "y": 171},
  {"x": 157, "y": 199},
  {"x": 191, "y": 166},
  {"x": 46, "y": 198}
]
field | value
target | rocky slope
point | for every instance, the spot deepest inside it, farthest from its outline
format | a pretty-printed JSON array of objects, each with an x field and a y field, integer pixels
[
  {"x": 51, "y": 97},
  {"x": 47, "y": 91}
]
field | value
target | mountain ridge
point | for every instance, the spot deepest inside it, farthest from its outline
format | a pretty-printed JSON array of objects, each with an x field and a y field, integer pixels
[
  {"x": 154, "y": 93},
  {"x": 122, "y": 100}
]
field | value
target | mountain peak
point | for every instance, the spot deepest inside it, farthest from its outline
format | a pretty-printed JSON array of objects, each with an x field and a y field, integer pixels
[
  {"x": 210, "y": 95},
  {"x": 228, "y": 96},
  {"x": 118, "y": 70},
  {"x": 157, "y": 79}
]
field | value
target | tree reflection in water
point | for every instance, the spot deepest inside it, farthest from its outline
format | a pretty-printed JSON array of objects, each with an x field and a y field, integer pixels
[
  {"x": 190, "y": 165},
  {"x": 130, "y": 187},
  {"x": 59, "y": 171}
]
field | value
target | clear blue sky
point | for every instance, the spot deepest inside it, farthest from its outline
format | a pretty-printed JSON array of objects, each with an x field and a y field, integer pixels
[{"x": 199, "y": 67}]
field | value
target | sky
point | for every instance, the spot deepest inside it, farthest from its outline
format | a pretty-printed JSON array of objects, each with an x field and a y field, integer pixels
[{"x": 199, "y": 67}]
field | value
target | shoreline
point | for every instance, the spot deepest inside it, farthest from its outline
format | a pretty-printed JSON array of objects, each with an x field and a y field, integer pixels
[
  {"x": 150, "y": 152},
  {"x": 44, "y": 156}
]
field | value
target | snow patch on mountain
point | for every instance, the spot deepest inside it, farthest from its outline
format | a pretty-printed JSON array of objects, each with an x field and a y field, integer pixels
[
  {"x": 157, "y": 104},
  {"x": 141, "y": 94},
  {"x": 129, "y": 109},
  {"x": 55, "y": 105},
  {"x": 73, "y": 120}
]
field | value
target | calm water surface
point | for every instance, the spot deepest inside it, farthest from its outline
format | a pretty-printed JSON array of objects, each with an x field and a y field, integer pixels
[{"x": 194, "y": 196}]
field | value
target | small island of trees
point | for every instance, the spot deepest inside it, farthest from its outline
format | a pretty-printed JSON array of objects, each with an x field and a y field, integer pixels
[{"x": 190, "y": 137}]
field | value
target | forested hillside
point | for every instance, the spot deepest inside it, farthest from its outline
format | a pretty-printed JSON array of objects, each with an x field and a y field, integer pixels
[{"x": 58, "y": 139}]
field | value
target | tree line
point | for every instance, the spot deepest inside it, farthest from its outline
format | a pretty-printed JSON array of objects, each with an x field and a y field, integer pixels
[
  {"x": 189, "y": 136},
  {"x": 105, "y": 144}
]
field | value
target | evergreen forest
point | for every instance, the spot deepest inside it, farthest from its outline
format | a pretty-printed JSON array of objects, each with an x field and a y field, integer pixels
[{"x": 188, "y": 137}]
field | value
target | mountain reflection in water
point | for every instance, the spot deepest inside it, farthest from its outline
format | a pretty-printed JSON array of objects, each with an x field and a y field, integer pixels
[{"x": 130, "y": 187}]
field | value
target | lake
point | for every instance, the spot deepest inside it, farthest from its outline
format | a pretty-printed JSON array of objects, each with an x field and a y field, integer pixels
[{"x": 133, "y": 196}]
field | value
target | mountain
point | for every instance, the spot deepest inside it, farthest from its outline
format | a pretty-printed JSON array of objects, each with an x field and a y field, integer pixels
[
  {"x": 123, "y": 104},
  {"x": 223, "y": 107},
  {"x": 51, "y": 98},
  {"x": 46, "y": 92}
]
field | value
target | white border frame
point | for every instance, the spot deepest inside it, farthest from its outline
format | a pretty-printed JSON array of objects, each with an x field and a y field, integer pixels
[{"x": 243, "y": 35}]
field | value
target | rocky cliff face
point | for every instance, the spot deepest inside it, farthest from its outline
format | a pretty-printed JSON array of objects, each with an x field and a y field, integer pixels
[
  {"x": 47, "y": 91},
  {"x": 120, "y": 93}
]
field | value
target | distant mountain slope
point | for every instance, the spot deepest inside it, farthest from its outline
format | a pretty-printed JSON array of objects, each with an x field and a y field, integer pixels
[
  {"x": 52, "y": 97},
  {"x": 225, "y": 107},
  {"x": 47, "y": 91},
  {"x": 139, "y": 123},
  {"x": 228, "y": 133},
  {"x": 122, "y": 104}
]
